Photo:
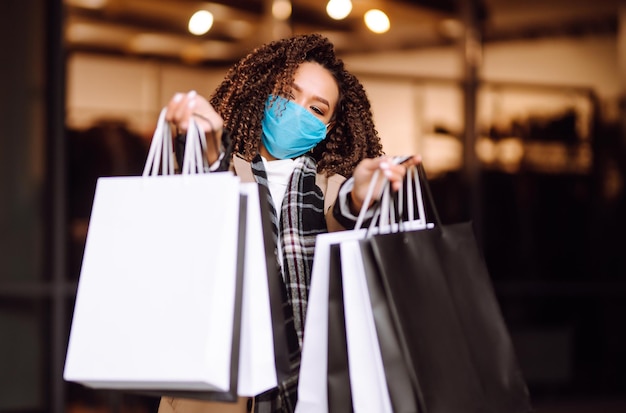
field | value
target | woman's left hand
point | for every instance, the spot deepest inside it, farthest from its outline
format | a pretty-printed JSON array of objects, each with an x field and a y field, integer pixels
[{"x": 364, "y": 172}]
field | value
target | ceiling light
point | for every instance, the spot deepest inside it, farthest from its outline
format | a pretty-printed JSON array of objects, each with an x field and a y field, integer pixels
[
  {"x": 339, "y": 9},
  {"x": 281, "y": 9},
  {"x": 201, "y": 22},
  {"x": 377, "y": 21}
]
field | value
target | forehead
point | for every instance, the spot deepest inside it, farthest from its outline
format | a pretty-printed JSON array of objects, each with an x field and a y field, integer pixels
[{"x": 313, "y": 78}]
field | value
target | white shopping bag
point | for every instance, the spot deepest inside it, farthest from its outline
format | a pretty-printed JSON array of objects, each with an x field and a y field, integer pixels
[
  {"x": 367, "y": 374},
  {"x": 160, "y": 308},
  {"x": 156, "y": 295},
  {"x": 312, "y": 383},
  {"x": 313, "y": 380},
  {"x": 257, "y": 362},
  {"x": 366, "y": 361}
]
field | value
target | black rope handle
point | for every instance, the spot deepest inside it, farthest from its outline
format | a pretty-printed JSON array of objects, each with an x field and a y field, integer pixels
[{"x": 425, "y": 185}]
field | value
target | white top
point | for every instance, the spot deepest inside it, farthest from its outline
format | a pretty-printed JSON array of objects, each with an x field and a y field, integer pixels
[{"x": 278, "y": 173}]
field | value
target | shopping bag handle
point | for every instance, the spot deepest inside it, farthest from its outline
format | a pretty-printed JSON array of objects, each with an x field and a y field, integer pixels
[
  {"x": 421, "y": 173},
  {"x": 414, "y": 199},
  {"x": 368, "y": 199},
  {"x": 161, "y": 152},
  {"x": 389, "y": 215},
  {"x": 413, "y": 184},
  {"x": 370, "y": 193},
  {"x": 415, "y": 180},
  {"x": 195, "y": 147}
]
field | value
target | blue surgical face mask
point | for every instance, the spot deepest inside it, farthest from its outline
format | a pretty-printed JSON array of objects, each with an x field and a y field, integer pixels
[{"x": 289, "y": 130}]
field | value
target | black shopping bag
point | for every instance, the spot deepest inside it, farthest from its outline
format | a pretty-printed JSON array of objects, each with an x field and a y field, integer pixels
[{"x": 447, "y": 318}]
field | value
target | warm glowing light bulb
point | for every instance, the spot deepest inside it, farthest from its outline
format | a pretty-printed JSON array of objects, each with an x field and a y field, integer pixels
[
  {"x": 377, "y": 21},
  {"x": 201, "y": 22},
  {"x": 339, "y": 9},
  {"x": 281, "y": 9}
]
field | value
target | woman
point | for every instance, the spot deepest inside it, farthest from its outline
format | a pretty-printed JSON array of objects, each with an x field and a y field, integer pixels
[{"x": 289, "y": 116}]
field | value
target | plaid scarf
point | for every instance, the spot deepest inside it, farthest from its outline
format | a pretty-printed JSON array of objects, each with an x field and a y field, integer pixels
[{"x": 302, "y": 219}]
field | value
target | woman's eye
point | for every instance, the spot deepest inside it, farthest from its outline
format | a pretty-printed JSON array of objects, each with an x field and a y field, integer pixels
[{"x": 317, "y": 110}]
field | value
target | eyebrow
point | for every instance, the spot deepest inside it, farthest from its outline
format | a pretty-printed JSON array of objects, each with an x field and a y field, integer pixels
[{"x": 318, "y": 98}]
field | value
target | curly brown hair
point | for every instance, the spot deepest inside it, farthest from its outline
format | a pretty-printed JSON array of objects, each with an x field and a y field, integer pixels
[{"x": 240, "y": 99}]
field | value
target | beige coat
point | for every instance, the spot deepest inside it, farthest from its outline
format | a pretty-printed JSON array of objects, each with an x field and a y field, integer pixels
[{"x": 330, "y": 189}]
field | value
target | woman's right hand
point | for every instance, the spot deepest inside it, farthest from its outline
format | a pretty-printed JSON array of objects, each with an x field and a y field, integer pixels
[
  {"x": 364, "y": 172},
  {"x": 183, "y": 106}
]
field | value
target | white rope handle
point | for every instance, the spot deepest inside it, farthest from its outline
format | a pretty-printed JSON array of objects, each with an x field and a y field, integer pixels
[
  {"x": 367, "y": 200},
  {"x": 387, "y": 216},
  {"x": 414, "y": 199},
  {"x": 160, "y": 152},
  {"x": 418, "y": 196},
  {"x": 414, "y": 196},
  {"x": 386, "y": 186},
  {"x": 195, "y": 145},
  {"x": 385, "y": 219},
  {"x": 168, "y": 151}
]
